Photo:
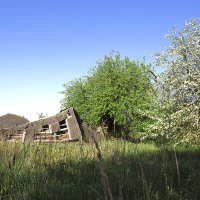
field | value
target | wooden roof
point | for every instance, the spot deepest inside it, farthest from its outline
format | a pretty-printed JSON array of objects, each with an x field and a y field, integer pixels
[{"x": 11, "y": 120}]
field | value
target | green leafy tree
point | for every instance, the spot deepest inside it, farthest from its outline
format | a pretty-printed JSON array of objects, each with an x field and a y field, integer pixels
[
  {"x": 117, "y": 92},
  {"x": 179, "y": 86},
  {"x": 42, "y": 115}
]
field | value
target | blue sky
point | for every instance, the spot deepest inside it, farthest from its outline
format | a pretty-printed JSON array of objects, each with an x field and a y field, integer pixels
[{"x": 45, "y": 43}]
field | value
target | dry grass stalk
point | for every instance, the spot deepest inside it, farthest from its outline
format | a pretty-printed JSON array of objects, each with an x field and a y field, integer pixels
[{"x": 103, "y": 174}]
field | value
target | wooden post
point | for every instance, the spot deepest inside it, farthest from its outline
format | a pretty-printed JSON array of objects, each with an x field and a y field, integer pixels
[
  {"x": 23, "y": 136},
  {"x": 73, "y": 128}
]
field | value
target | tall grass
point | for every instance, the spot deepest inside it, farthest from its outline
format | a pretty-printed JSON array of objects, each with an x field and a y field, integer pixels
[{"x": 74, "y": 171}]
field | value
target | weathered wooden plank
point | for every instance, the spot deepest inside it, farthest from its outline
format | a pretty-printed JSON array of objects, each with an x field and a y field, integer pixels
[
  {"x": 89, "y": 134},
  {"x": 73, "y": 128}
]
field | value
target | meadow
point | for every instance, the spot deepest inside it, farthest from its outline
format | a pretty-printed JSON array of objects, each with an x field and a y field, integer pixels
[{"x": 114, "y": 169}]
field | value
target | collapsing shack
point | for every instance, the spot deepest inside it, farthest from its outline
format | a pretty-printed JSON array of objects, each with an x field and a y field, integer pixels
[{"x": 65, "y": 126}]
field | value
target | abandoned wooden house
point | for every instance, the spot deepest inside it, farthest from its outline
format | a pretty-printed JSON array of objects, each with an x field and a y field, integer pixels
[{"x": 65, "y": 126}]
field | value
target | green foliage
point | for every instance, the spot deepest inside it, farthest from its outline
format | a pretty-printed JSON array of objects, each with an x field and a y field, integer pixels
[
  {"x": 42, "y": 115},
  {"x": 117, "y": 91},
  {"x": 179, "y": 86}
]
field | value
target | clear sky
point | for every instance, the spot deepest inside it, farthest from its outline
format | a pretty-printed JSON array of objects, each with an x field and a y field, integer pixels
[{"x": 45, "y": 43}]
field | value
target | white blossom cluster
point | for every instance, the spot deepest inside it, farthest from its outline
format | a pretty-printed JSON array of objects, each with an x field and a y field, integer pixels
[{"x": 178, "y": 88}]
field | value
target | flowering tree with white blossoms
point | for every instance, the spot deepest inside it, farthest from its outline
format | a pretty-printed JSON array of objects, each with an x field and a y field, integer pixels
[{"x": 179, "y": 86}]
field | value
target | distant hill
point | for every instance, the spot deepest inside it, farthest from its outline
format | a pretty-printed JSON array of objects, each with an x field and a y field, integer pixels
[{"x": 10, "y": 120}]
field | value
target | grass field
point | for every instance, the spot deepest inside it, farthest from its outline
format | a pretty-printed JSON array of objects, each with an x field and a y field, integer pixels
[{"x": 120, "y": 170}]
